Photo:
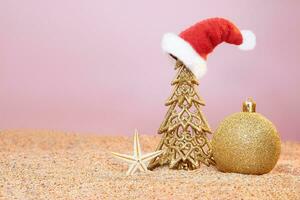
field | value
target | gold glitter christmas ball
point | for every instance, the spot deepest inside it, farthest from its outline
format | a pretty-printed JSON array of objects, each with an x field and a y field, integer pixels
[{"x": 246, "y": 142}]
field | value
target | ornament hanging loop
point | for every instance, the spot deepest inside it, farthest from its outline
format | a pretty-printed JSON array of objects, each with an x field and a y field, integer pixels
[{"x": 249, "y": 105}]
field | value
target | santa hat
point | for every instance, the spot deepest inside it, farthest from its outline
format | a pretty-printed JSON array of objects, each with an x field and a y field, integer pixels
[{"x": 194, "y": 44}]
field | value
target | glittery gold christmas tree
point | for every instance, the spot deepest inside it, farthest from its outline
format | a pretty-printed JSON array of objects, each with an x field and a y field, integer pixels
[{"x": 184, "y": 129}]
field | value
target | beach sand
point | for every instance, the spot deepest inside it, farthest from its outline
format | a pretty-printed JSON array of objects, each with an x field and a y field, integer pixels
[{"x": 55, "y": 165}]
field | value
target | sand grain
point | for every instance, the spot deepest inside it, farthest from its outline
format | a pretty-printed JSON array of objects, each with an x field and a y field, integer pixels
[{"x": 54, "y": 165}]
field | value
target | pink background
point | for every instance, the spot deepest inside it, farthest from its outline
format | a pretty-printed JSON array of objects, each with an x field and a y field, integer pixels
[{"x": 97, "y": 67}]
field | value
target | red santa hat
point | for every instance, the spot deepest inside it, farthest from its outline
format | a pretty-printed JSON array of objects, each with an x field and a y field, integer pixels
[{"x": 194, "y": 44}]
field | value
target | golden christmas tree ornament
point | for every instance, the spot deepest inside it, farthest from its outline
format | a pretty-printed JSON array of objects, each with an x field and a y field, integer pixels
[
  {"x": 246, "y": 142},
  {"x": 137, "y": 161},
  {"x": 184, "y": 128}
]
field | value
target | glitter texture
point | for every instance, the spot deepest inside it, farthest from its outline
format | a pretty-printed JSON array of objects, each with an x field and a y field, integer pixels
[{"x": 246, "y": 143}]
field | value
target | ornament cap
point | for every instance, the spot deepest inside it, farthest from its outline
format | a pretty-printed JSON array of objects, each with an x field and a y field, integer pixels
[{"x": 249, "y": 105}]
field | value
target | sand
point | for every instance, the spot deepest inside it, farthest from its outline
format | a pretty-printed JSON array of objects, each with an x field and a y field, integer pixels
[{"x": 55, "y": 165}]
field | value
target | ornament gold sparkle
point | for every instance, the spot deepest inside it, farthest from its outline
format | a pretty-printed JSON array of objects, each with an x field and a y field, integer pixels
[
  {"x": 246, "y": 142},
  {"x": 137, "y": 161},
  {"x": 184, "y": 128}
]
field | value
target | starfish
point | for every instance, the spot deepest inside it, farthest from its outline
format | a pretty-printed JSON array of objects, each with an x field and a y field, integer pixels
[{"x": 137, "y": 161}]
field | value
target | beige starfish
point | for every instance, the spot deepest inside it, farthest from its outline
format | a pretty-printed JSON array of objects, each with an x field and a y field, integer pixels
[{"x": 137, "y": 161}]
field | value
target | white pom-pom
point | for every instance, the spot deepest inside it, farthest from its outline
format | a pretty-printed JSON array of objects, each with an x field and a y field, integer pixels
[{"x": 249, "y": 40}]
